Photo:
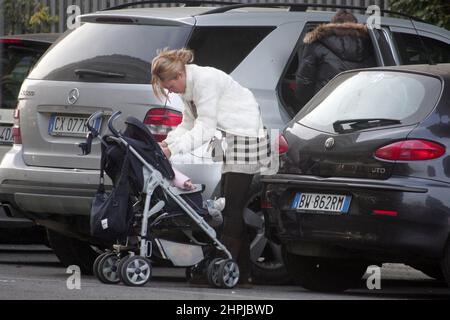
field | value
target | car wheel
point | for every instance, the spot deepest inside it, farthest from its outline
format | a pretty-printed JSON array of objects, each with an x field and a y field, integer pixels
[
  {"x": 71, "y": 251},
  {"x": 324, "y": 274},
  {"x": 265, "y": 254}
]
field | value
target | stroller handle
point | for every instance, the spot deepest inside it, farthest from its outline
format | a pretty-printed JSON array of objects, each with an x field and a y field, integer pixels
[
  {"x": 114, "y": 116},
  {"x": 91, "y": 120}
]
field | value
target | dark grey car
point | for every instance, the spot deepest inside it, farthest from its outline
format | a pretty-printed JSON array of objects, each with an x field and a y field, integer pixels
[{"x": 366, "y": 177}]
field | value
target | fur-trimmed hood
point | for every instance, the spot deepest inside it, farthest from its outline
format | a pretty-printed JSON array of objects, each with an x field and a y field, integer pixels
[
  {"x": 349, "y": 41},
  {"x": 337, "y": 29}
]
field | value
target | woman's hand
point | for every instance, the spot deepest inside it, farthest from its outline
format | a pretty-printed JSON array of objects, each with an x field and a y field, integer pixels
[
  {"x": 163, "y": 144},
  {"x": 188, "y": 185},
  {"x": 167, "y": 152}
]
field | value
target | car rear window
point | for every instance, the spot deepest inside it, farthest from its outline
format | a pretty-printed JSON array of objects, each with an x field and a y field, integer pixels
[
  {"x": 18, "y": 58},
  {"x": 98, "y": 52},
  {"x": 224, "y": 48},
  {"x": 407, "y": 97}
]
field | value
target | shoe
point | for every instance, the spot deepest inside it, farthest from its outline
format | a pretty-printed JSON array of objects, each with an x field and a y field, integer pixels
[
  {"x": 219, "y": 204},
  {"x": 215, "y": 208}
]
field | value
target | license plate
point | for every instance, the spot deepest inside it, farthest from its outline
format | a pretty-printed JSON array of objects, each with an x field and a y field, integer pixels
[
  {"x": 65, "y": 125},
  {"x": 322, "y": 202},
  {"x": 6, "y": 135}
]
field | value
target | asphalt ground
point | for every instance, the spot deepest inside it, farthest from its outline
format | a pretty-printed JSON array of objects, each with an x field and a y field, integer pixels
[{"x": 31, "y": 272}]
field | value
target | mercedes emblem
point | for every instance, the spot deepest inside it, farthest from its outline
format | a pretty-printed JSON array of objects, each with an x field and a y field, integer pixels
[{"x": 74, "y": 94}]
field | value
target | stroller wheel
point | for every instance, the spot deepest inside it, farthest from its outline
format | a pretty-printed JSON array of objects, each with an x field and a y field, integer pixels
[
  {"x": 96, "y": 262},
  {"x": 108, "y": 270},
  {"x": 228, "y": 273},
  {"x": 135, "y": 271},
  {"x": 212, "y": 272}
]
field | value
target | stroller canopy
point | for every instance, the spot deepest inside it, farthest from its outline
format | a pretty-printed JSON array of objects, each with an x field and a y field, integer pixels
[{"x": 138, "y": 136}]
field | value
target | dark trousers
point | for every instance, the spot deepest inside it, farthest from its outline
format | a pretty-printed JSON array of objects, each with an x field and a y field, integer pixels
[{"x": 234, "y": 235}]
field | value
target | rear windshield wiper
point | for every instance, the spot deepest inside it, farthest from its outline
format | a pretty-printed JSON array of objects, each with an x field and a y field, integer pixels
[
  {"x": 359, "y": 124},
  {"x": 98, "y": 73}
]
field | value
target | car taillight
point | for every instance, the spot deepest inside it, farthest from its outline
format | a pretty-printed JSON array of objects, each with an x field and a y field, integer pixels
[
  {"x": 11, "y": 41},
  {"x": 385, "y": 213},
  {"x": 16, "y": 134},
  {"x": 161, "y": 121},
  {"x": 410, "y": 150},
  {"x": 266, "y": 204},
  {"x": 282, "y": 145}
]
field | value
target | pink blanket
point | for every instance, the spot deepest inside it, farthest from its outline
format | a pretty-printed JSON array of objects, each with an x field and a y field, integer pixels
[{"x": 179, "y": 179}]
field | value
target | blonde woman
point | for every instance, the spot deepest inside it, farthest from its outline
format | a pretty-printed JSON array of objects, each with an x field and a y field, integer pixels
[{"x": 214, "y": 101}]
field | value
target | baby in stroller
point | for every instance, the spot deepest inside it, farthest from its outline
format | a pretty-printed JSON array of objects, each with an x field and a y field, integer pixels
[{"x": 165, "y": 215}]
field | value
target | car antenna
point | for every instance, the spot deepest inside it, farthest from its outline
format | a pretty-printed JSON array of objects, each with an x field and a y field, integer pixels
[{"x": 422, "y": 43}]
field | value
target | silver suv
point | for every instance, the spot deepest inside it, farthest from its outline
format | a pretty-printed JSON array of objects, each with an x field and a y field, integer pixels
[{"x": 105, "y": 65}]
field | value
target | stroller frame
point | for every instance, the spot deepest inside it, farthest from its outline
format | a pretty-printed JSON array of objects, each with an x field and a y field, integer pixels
[{"x": 219, "y": 272}]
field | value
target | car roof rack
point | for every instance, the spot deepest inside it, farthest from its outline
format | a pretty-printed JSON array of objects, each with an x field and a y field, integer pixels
[
  {"x": 187, "y": 3},
  {"x": 301, "y": 7}
]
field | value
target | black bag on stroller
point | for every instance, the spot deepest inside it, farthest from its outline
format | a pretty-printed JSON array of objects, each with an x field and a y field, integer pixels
[{"x": 111, "y": 214}]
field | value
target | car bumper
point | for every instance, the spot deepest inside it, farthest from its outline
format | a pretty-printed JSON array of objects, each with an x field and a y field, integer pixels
[
  {"x": 12, "y": 222},
  {"x": 9, "y": 218},
  {"x": 42, "y": 191},
  {"x": 419, "y": 228}
]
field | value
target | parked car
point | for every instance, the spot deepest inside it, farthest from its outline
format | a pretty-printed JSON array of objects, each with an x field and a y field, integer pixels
[
  {"x": 365, "y": 178},
  {"x": 45, "y": 176},
  {"x": 18, "y": 54}
]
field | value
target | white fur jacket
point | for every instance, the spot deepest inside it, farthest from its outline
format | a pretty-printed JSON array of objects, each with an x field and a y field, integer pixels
[{"x": 213, "y": 100}]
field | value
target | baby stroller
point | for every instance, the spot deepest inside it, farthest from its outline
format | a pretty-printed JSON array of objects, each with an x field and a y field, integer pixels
[{"x": 162, "y": 222}]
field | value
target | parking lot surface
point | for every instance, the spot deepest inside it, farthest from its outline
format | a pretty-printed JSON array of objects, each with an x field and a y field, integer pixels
[{"x": 31, "y": 272}]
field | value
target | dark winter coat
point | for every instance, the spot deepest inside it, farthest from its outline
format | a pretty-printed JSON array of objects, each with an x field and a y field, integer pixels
[{"x": 330, "y": 49}]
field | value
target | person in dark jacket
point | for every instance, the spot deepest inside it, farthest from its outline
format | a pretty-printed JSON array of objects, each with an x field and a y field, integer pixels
[{"x": 330, "y": 49}]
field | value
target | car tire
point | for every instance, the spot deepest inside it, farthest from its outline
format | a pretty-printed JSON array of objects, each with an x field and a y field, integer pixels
[
  {"x": 71, "y": 251},
  {"x": 324, "y": 274},
  {"x": 265, "y": 255}
]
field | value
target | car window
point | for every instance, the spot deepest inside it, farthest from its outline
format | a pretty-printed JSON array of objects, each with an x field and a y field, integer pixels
[
  {"x": 17, "y": 61},
  {"x": 386, "y": 51},
  {"x": 412, "y": 51},
  {"x": 287, "y": 86},
  {"x": 97, "y": 52},
  {"x": 225, "y": 47},
  {"x": 402, "y": 96}
]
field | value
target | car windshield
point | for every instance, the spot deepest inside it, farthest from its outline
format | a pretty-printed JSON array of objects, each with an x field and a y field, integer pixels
[
  {"x": 100, "y": 52},
  {"x": 371, "y": 99}
]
